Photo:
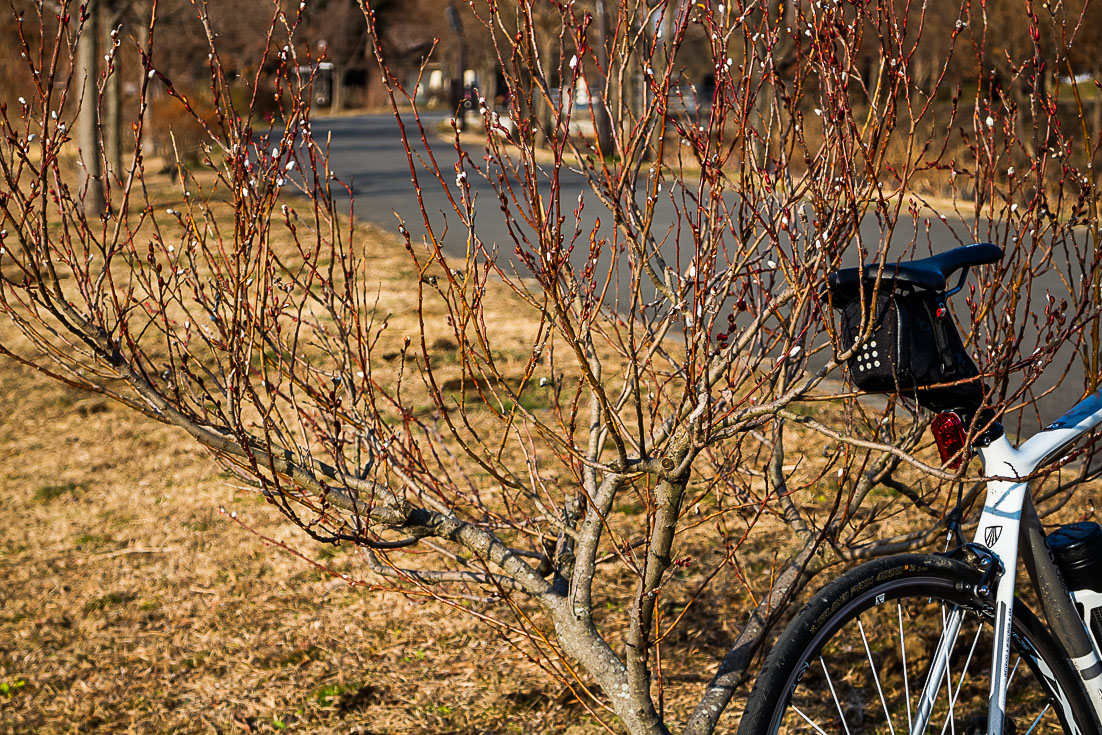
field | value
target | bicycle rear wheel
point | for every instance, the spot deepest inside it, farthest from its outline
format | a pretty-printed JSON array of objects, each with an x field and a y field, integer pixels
[{"x": 856, "y": 658}]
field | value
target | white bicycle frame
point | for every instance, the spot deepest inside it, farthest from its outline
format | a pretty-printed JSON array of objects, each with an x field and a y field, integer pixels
[{"x": 998, "y": 530}]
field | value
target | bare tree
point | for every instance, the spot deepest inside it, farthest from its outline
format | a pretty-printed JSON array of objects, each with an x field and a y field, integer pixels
[{"x": 591, "y": 485}]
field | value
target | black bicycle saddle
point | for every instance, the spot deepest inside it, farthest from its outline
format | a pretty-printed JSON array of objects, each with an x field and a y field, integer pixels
[{"x": 926, "y": 273}]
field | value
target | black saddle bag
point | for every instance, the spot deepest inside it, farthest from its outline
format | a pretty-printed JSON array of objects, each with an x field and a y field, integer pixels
[{"x": 913, "y": 348}]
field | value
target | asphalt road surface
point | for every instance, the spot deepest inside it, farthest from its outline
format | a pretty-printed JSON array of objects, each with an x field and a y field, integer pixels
[{"x": 366, "y": 152}]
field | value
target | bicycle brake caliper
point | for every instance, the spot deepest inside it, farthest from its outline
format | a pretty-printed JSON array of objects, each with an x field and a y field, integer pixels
[{"x": 981, "y": 558}]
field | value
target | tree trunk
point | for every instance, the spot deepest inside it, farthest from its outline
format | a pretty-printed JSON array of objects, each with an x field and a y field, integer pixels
[
  {"x": 458, "y": 87},
  {"x": 112, "y": 96},
  {"x": 88, "y": 125},
  {"x": 144, "y": 42},
  {"x": 336, "y": 97},
  {"x": 601, "y": 111},
  {"x": 112, "y": 142},
  {"x": 487, "y": 83},
  {"x": 546, "y": 118}
]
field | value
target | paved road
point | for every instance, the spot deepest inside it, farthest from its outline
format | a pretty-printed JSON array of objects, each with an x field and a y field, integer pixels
[{"x": 366, "y": 152}]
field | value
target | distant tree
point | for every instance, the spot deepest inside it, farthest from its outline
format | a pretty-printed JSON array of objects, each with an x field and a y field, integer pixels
[
  {"x": 337, "y": 27},
  {"x": 88, "y": 119}
]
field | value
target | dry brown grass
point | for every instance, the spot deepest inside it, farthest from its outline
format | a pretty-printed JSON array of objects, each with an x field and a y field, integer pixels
[{"x": 131, "y": 604}]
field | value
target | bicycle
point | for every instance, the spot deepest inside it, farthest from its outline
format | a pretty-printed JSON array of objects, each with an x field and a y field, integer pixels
[{"x": 908, "y": 643}]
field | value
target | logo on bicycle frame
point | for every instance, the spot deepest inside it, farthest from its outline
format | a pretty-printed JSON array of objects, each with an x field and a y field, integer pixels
[{"x": 991, "y": 535}]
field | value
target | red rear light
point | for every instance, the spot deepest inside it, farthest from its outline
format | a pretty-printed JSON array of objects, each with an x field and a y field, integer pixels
[{"x": 951, "y": 436}]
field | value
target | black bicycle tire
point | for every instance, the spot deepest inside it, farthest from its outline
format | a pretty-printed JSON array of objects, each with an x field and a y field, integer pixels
[{"x": 856, "y": 591}]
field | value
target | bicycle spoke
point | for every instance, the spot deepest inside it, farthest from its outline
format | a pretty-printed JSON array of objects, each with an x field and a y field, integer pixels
[
  {"x": 938, "y": 664},
  {"x": 834, "y": 694},
  {"x": 875, "y": 677},
  {"x": 903, "y": 650},
  {"x": 955, "y": 695},
  {"x": 950, "y": 721},
  {"x": 1036, "y": 721},
  {"x": 808, "y": 720}
]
